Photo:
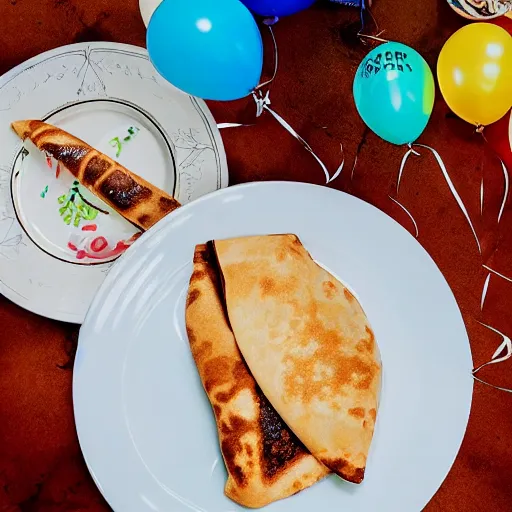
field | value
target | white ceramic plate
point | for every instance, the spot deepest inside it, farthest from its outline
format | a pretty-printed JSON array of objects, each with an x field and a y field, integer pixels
[
  {"x": 99, "y": 92},
  {"x": 144, "y": 423}
]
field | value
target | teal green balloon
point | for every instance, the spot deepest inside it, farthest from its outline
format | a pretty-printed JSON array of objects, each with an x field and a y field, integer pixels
[{"x": 394, "y": 92}]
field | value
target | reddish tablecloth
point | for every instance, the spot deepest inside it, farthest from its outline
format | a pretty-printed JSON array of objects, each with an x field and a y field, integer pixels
[{"x": 41, "y": 466}]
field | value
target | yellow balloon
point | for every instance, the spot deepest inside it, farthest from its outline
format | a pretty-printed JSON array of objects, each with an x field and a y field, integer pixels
[{"x": 475, "y": 73}]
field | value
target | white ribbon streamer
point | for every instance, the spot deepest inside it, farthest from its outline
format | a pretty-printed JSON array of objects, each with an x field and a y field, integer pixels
[
  {"x": 353, "y": 169},
  {"x": 402, "y": 165},
  {"x": 453, "y": 190},
  {"x": 497, "y": 273},
  {"x": 496, "y": 358},
  {"x": 492, "y": 385},
  {"x": 505, "y": 192},
  {"x": 484, "y": 291},
  {"x": 340, "y": 168},
  {"x": 482, "y": 197},
  {"x": 263, "y": 103},
  {"x": 276, "y": 61},
  {"x": 221, "y": 126},
  {"x": 408, "y": 213}
]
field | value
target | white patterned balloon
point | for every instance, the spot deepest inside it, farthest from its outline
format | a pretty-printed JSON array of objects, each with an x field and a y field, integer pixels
[
  {"x": 147, "y": 8},
  {"x": 481, "y": 9}
]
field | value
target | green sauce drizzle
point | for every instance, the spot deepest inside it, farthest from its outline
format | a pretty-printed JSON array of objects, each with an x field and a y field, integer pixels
[
  {"x": 74, "y": 209},
  {"x": 117, "y": 143}
]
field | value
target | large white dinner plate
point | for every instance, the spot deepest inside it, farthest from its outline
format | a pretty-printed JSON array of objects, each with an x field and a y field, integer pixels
[
  {"x": 99, "y": 92},
  {"x": 144, "y": 423}
]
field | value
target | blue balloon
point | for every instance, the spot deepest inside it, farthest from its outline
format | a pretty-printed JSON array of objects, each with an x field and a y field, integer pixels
[
  {"x": 210, "y": 49},
  {"x": 277, "y": 7},
  {"x": 394, "y": 92}
]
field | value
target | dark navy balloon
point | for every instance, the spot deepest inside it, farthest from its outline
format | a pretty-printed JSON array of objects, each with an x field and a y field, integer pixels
[{"x": 277, "y": 7}]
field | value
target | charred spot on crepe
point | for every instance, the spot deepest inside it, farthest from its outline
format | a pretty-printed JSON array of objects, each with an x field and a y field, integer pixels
[
  {"x": 205, "y": 266},
  {"x": 144, "y": 219},
  {"x": 94, "y": 169},
  {"x": 69, "y": 155},
  {"x": 232, "y": 445},
  {"x": 345, "y": 469},
  {"x": 348, "y": 295},
  {"x": 217, "y": 372},
  {"x": 357, "y": 412},
  {"x": 204, "y": 350},
  {"x": 367, "y": 344},
  {"x": 192, "y": 297},
  {"x": 123, "y": 191},
  {"x": 330, "y": 289},
  {"x": 167, "y": 204},
  {"x": 373, "y": 414},
  {"x": 280, "y": 445},
  {"x": 197, "y": 275},
  {"x": 191, "y": 336},
  {"x": 242, "y": 381}
]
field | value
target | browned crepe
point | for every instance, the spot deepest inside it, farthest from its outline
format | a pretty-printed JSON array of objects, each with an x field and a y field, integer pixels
[
  {"x": 133, "y": 197},
  {"x": 308, "y": 344},
  {"x": 264, "y": 460}
]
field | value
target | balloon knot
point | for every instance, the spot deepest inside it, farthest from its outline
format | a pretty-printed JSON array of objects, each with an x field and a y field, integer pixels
[
  {"x": 261, "y": 101},
  {"x": 480, "y": 128},
  {"x": 270, "y": 21},
  {"x": 413, "y": 151}
]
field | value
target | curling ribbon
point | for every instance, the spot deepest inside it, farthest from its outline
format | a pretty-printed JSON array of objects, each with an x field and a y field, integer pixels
[
  {"x": 505, "y": 348},
  {"x": 505, "y": 191},
  {"x": 263, "y": 104},
  {"x": 484, "y": 290},
  {"x": 408, "y": 213},
  {"x": 221, "y": 126},
  {"x": 497, "y": 273},
  {"x": 482, "y": 196},
  {"x": 448, "y": 180}
]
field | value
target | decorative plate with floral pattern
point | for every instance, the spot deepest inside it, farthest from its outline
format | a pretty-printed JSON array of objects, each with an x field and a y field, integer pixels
[{"x": 57, "y": 240}]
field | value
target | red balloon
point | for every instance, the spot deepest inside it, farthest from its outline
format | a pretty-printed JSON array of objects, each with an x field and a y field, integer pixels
[
  {"x": 499, "y": 137},
  {"x": 499, "y": 134}
]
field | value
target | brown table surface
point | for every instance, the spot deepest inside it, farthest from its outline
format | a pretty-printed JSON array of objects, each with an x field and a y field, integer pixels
[{"x": 41, "y": 466}]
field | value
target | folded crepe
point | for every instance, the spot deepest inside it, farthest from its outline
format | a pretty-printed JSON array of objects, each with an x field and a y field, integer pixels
[
  {"x": 264, "y": 460},
  {"x": 133, "y": 197},
  {"x": 307, "y": 343}
]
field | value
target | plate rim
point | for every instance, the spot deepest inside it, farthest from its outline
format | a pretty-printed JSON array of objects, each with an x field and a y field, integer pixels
[
  {"x": 174, "y": 217},
  {"x": 204, "y": 111}
]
